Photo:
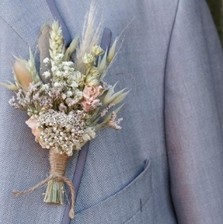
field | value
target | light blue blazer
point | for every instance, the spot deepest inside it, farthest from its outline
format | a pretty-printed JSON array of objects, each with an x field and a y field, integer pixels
[{"x": 166, "y": 165}]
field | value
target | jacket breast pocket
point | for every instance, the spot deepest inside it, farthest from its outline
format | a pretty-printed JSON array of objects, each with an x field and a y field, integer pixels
[{"x": 123, "y": 205}]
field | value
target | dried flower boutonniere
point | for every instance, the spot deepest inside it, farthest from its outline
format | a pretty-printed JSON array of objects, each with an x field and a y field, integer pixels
[{"x": 67, "y": 101}]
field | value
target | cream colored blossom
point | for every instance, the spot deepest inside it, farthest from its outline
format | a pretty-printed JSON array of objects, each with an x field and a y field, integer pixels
[
  {"x": 97, "y": 50},
  {"x": 88, "y": 59}
]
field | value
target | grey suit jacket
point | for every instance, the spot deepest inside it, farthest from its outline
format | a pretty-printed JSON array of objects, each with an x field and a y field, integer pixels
[{"x": 166, "y": 165}]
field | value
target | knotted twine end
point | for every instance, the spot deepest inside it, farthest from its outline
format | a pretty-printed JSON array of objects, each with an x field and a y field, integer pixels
[{"x": 71, "y": 214}]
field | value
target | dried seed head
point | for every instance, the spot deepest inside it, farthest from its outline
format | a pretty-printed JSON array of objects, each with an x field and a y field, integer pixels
[{"x": 22, "y": 75}]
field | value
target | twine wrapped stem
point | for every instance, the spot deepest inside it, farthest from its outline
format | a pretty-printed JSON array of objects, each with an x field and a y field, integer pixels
[
  {"x": 55, "y": 186},
  {"x": 55, "y": 182}
]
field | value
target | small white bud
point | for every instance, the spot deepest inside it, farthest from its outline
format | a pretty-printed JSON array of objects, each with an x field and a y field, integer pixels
[{"x": 46, "y": 60}]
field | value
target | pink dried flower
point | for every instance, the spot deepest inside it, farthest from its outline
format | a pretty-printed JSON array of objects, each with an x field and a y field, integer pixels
[
  {"x": 90, "y": 95},
  {"x": 33, "y": 124},
  {"x": 113, "y": 122}
]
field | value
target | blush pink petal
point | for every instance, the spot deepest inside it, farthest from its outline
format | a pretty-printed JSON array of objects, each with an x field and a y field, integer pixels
[
  {"x": 86, "y": 106},
  {"x": 33, "y": 124},
  {"x": 90, "y": 94},
  {"x": 92, "y": 91}
]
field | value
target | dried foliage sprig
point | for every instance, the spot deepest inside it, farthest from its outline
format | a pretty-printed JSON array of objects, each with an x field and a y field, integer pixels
[{"x": 67, "y": 100}]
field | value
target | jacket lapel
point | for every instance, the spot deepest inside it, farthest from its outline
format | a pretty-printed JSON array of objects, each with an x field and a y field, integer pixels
[{"x": 25, "y": 19}]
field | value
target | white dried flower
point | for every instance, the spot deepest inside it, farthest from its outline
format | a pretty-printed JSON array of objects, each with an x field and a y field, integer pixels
[
  {"x": 46, "y": 74},
  {"x": 45, "y": 87},
  {"x": 53, "y": 68},
  {"x": 59, "y": 57},
  {"x": 46, "y": 60},
  {"x": 97, "y": 50},
  {"x": 69, "y": 93},
  {"x": 64, "y": 132},
  {"x": 74, "y": 84},
  {"x": 68, "y": 63},
  {"x": 58, "y": 73},
  {"x": 57, "y": 84},
  {"x": 88, "y": 59},
  {"x": 64, "y": 96}
]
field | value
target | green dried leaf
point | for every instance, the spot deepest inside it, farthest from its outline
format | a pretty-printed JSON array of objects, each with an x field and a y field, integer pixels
[
  {"x": 72, "y": 47},
  {"x": 31, "y": 66},
  {"x": 120, "y": 97},
  {"x": 109, "y": 94},
  {"x": 114, "y": 98},
  {"x": 9, "y": 86},
  {"x": 107, "y": 118},
  {"x": 103, "y": 63},
  {"x": 112, "y": 51}
]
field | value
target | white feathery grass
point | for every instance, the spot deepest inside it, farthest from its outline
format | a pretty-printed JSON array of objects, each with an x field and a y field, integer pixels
[{"x": 91, "y": 33}]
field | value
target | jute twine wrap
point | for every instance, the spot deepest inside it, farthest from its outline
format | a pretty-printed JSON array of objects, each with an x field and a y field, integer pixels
[{"x": 58, "y": 163}]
